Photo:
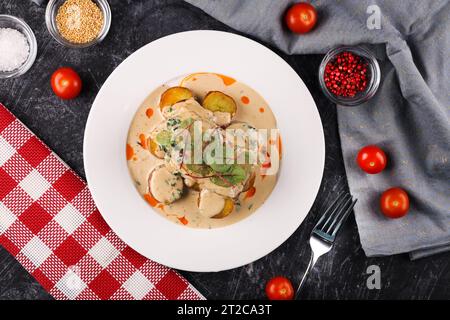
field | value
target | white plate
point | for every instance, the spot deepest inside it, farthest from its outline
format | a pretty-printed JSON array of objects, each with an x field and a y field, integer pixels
[{"x": 147, "y": 231}]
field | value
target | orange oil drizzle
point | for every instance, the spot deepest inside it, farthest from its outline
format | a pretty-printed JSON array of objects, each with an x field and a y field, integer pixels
[
  {"x": 250, "y": 193},
  {"x": 228, "y": 81},
  {"x": 152, "y": 201},
  {"x": 245, "y": 100},
  {"x": 129, "y": 152},
  {"x": 149, "y": 112},
  {"x": 183, "y": 220},
  {"x": 280, "y": 147},
  {"x": 143, "y": 140}
]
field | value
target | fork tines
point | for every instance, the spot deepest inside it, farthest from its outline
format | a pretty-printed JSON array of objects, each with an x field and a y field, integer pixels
[{"x": 331, "y": 221}]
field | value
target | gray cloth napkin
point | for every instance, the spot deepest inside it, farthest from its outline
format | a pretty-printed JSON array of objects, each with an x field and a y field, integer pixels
[{"x": 409, "y": 116}]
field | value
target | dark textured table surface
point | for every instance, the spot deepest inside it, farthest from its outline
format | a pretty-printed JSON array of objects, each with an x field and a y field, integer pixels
[{"x": 339, "y": 275}]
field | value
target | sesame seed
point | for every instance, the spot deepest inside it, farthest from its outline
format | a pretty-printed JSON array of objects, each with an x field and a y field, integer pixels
[{"x": 79, "y": 21}]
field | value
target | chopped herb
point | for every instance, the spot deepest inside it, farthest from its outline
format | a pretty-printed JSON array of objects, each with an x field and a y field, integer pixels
[
  {"x": 186, "y": 122},
  {"x": 173, "y": 122},
  {"x": 164, "y": 137}
]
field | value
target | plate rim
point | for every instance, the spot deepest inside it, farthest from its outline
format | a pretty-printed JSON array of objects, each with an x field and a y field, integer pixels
[{"x": 89, "y": 176}]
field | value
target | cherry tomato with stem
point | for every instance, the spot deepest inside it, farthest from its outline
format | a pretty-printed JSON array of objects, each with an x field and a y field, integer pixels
[
  {"x": 279, "y": 288},
  {"x": 394, "y": 203},
  {"x": 66, "y": 83},
  {"x": 301, "y": 17},
  {"x": 371, "y": 159}
]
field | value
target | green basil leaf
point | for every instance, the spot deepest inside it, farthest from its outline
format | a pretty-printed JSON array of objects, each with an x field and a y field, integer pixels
[
  {"x": 235, "y": 175},
  {"x": 221, "y": 168},
  {"x": 201, "y": 169},
  {"x": 238, "y": 174},
  {"x": 221, "y": 181}
]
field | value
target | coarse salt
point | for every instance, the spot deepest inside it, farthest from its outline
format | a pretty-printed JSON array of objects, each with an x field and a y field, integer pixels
[{"x": 14, "y": 49}]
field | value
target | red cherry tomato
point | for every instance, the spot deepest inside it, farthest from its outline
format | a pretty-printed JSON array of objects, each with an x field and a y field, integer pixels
[
  {"x": 279, "y": 288},
  {"x": 301, "y": 17},
  {"x": 66, "y": 83},
  {"x": 394, "y": 203},
  {"x": 371, "y": 159}
]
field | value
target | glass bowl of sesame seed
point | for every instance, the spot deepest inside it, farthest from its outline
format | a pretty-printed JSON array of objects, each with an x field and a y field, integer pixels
[{"x": 78, "y": 23}]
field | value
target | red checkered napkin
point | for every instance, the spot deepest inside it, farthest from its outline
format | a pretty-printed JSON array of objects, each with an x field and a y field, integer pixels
[{"x": 49, "y": 222}]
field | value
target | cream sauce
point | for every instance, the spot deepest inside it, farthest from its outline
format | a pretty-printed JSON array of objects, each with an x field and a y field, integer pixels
[
  {"x": 251, "y": 109},
  {"x": 165, "y": 186}
]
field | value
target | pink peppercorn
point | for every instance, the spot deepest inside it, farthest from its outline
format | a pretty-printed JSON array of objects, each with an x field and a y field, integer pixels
[{"x": 346, "y": 74}]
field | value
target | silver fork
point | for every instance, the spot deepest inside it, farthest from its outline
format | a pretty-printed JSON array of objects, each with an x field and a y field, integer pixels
[{"x": 325, "y": 231}]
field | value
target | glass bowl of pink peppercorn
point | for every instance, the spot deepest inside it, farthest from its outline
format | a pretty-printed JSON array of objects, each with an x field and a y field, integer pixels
[{"x": 349, "y": 75}]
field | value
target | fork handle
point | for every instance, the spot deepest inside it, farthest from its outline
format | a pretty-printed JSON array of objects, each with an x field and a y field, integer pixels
[{"x": 312, "y": 262}]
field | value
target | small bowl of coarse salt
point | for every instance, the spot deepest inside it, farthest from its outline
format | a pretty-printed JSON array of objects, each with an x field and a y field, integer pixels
[
  {"x": 78, "y": 23},
  {"x": 18, "y": 47}
]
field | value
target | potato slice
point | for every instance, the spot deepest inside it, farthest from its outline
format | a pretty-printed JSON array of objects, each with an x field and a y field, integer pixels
[
  {"x": 227, "y": 209},
  {"x": 213, "y": 205},
  {"x": 174, "y": 95},
  {"x": 219, "y": 101},
  {"x": 164, "y": 186},
  {"x": 155, "y": 149}
]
